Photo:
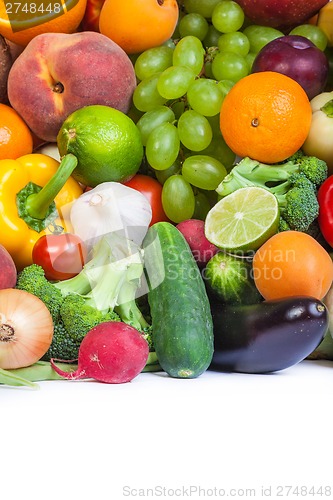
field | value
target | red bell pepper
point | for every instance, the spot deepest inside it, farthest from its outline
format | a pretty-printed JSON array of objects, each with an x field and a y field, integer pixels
[{"x": 325, "y": 218}]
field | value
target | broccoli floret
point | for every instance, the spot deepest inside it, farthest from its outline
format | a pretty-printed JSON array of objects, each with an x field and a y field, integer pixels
[
  {"x": 294, "y": 183},
  {"x": 63, "y": 346},
  {"x": 314, "y": 169},
  {"x": 299, "y": 206},
  {"x": 78, "y": 317},
  {"x": 32, "y": 279}
]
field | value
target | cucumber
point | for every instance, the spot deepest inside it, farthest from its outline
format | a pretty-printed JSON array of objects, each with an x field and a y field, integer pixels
[{"x": 179, "y": 305}]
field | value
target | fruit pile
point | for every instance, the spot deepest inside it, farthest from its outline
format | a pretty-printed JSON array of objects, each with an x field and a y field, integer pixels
[{"x": 205, "y": 125}]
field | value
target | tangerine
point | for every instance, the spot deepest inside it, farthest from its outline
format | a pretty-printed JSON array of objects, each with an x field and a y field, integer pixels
[
  {"x": 15, "y": 136},
  {"x": 292, "y": 263},
  {"x": 138, "y": 25},
  {"x": 35, "y": 21},
  {"x": 266, "y": 116}
]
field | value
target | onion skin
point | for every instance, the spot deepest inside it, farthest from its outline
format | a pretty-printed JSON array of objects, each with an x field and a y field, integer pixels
[{"x": 26, "y": 328}]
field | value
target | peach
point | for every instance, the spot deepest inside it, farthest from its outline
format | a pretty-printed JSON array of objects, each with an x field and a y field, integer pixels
[
  {"x": 59, "y": 73},
  {"x": 8, "y": 271}
]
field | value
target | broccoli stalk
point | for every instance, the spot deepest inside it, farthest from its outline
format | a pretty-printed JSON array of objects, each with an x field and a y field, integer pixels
[
  {"x": 294, "y": 183},
  {"x": 91, "y": 273},
  {"x": 127, "y": 307}
]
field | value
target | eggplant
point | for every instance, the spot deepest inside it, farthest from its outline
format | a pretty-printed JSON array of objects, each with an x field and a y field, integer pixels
[{"x": 266, "y": 337}]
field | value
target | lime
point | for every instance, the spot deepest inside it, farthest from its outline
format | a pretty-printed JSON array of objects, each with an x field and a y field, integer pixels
[
  {"x": 243, "y": 220},
  {"x": 106, "y": 143}
]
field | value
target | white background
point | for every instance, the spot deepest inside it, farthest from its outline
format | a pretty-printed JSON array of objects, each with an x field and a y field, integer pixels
[{"x": 88, "y": 440}]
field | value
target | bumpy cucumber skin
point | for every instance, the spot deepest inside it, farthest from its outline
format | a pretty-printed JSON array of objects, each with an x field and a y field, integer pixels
[{"x": 179, "y": 305}]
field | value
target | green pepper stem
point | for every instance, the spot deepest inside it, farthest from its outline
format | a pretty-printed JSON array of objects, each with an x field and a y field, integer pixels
[
  {"x": 328, "y": 108},
  {"x": 37, "y": 204}
]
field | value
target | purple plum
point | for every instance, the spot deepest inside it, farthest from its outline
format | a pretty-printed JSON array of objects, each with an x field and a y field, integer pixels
[{"x": 297, "y": 57}]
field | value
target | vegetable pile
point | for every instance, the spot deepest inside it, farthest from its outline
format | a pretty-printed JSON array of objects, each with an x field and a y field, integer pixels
[{"x": 134, "y": 248}]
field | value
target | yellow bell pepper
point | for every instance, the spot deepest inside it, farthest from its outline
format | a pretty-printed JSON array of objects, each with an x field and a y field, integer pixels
[
  {"x": 39, "y": 211},
  {"x": 325, "y": 21}
]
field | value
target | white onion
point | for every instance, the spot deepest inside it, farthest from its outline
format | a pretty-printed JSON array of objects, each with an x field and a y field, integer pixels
[
  {"x": 26, "y": 328},
  {"x": 111, "y": 207}
]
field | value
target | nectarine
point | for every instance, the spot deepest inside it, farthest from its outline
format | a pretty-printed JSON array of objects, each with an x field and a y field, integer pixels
[{"x": 59, "y": 73}]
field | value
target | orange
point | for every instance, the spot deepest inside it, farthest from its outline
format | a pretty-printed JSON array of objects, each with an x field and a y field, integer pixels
[
  {"x": 32, "y": 24},
  {"x": 265, "y": 116},
  {"x": 138, "y": 25},
  {"x": 15, "y": 136},
  {"x": 292, "y": 263}
]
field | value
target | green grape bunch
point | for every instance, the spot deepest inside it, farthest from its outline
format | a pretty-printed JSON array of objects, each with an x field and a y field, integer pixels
[{"x": 179, "y": 95}]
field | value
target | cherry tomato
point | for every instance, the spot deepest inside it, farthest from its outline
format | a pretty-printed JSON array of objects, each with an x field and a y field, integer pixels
[
  {"x": 152, "y": 190},
  {"x": 62, "y": 256}
]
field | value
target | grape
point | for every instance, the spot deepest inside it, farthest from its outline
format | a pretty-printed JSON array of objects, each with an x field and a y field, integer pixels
[
  {"x": 152, "y": 61},
  {"x": 146, "y": 96},
  {"x": 170, "y": 42},
  {"x": 152, "y": 119},
  {"x": 229, "y": 66},
  {"x": 205, "y": 97},
  {"x": 174, "y": 81},
  {"x": 228, "y": 16},
  {"x": 178, "y": 107},
  {"x": 163, "y": 175},
  {"x": 202, "y": 206},
  {"x": 219, "y": 150},
  {"x": 312, "y": 33},
  {"x": 178, "y": 199},
  {"x": 225, "y": 86},
  {"x": 207, "y": 71},
  {"x": 203, "y": 171},
  {"x": 259, "y": 36},
  {"x": 194, "y": 130},
  {"x": 162, "y": 146},
  {"x": 215, "y": 124},
  {"x": 250, "y": 57},
  {"x": 234, "y": 42},
  {"x": 193, "y": 24},
  {"x": 189, "y": 52},
  {"x": 203, "y": 7},
  {"x": 212, "y": 37}
]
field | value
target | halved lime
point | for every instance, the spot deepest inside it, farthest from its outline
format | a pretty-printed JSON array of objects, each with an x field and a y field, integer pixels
[{"x": 243, "y": 220}]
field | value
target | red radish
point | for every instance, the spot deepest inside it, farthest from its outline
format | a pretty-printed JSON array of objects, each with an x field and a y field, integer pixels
[
  {"x": 111, "y": 352},
  {"x": 193, "y": 231}
]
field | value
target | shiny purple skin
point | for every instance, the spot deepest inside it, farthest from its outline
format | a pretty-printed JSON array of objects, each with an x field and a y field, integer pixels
[
  {"x": 266, "y": 337},
  {"x": 297, "y": 57}
]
